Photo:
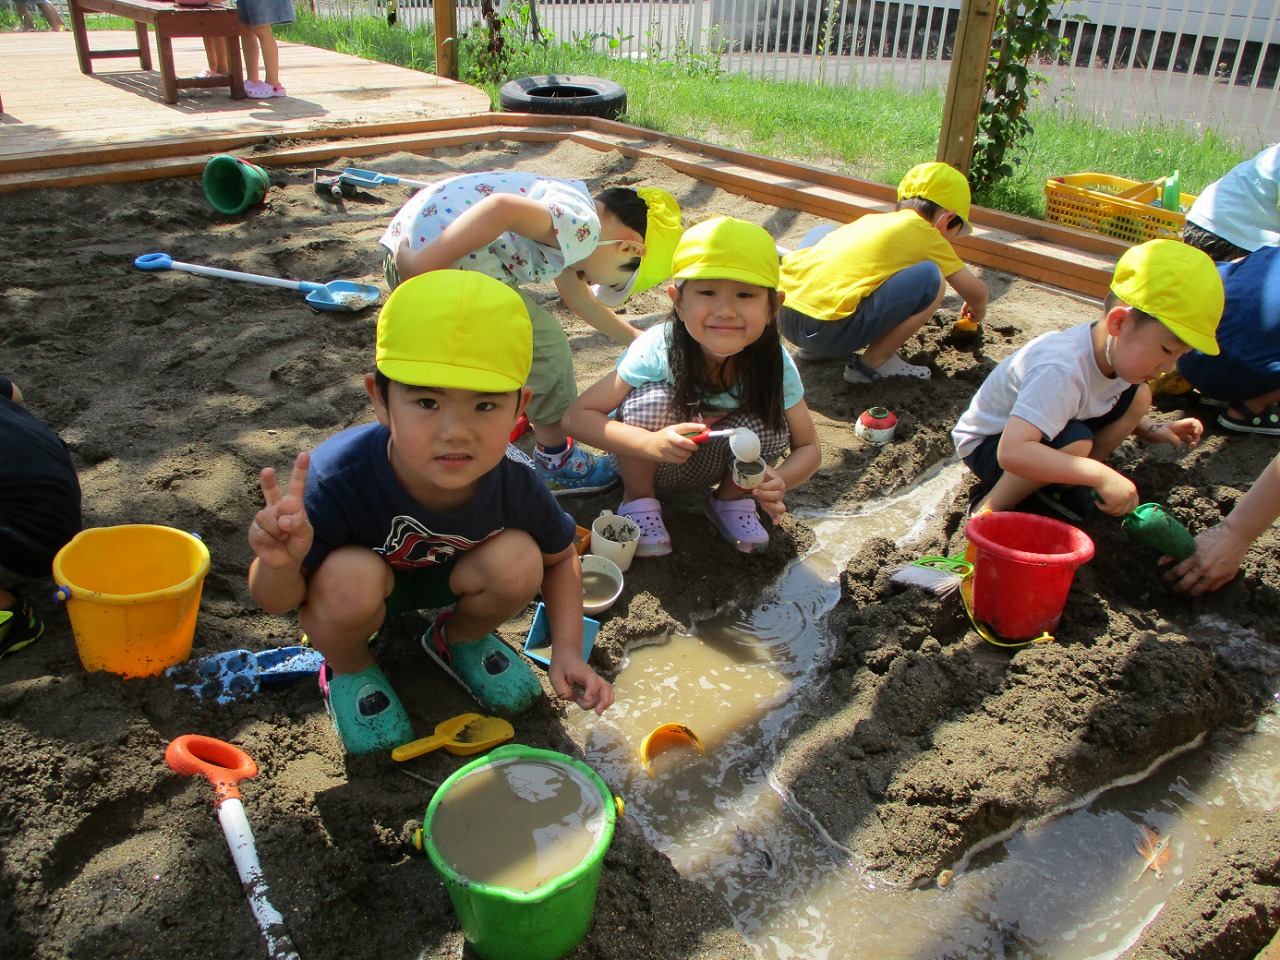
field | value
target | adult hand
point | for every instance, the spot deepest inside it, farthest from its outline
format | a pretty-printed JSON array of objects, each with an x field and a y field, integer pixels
[
  {"x": 281, "y": 534},
  {"x": 1219, "y": 553}
]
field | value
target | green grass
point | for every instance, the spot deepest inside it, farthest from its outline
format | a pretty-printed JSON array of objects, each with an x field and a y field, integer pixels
[{"x": 873, "y": 133}]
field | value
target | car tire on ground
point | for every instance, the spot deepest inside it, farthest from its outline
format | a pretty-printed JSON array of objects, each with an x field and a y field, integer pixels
[{"x": 564, "y": 95}]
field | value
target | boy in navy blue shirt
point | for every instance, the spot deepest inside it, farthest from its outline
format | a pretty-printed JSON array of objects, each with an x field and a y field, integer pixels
[{"x": 424, "y": 510}]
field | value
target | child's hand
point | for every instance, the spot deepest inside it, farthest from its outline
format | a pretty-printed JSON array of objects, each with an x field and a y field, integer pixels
[
  {"x": 1179, "y": 434},
  {"x": 674, "y": 444},
  {"x": 281, "y": 534},
  {"x": 769, "y": 492},
  {"x": 576, "y": 681},
  {"x": 1118, "y": 495}
]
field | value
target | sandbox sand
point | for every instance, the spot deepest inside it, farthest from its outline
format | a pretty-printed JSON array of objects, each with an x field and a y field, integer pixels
[{"x": 918, "y": 740}]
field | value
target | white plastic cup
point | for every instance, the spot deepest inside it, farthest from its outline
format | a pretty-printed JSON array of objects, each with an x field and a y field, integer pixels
[
  {"x": 747, "y": 474},
  {"x": 615, "y": 538}
]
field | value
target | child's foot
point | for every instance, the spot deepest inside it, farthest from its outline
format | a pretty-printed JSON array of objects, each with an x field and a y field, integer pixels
[
  {"x": 210, "y": 75},
  {"x": 273, "y": 91},
  {"x": 579, "y": 473},
  {"x": 737, "y": 522},
  {"x": 258, "y": 90},
  {"x": 655, "y": 541},
  {"x": 365, "y": 710},
  {"x": 1241, "y": 419},
  {"x": 19, "y": 627},
  {"x": 858, "y": 372},
  {"x": 501, "y": 682}
]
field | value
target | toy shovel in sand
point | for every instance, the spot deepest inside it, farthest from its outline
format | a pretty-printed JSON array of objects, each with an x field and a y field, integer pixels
[
  {"x": 225, "y": 765},
  {"x": 334, "y": 295},
  {"x": 1153, "y": 526},
  {"x": 371, "y": 178},
  {"x": 463, "y": 735}
]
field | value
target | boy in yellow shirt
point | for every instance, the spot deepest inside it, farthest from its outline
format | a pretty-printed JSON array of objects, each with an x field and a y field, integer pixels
[{"x": 871, "y": 284}]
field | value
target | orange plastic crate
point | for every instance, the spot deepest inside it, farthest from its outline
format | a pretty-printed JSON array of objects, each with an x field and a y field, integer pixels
[{"x": 1089, "y": 201}]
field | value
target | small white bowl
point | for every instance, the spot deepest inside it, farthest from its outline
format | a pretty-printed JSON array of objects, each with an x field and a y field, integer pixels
[{"x": 607, "y": 569}]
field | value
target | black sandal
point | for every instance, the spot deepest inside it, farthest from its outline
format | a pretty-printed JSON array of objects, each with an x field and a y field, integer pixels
[{"x": 1267, "y": 422}]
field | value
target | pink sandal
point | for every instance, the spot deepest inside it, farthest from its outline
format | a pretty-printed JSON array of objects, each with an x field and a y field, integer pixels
[
  {"x": 737, "y": 522},
  {"x": 655, "y": 541}
]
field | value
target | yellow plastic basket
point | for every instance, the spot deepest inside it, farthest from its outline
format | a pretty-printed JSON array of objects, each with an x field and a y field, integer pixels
[{"x": 1114, "y": 206}]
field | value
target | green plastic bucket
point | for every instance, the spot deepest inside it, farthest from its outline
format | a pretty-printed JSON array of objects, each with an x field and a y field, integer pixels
[
  {"x": 232, "y": 185},
  {"x": 504, "y": 922}
]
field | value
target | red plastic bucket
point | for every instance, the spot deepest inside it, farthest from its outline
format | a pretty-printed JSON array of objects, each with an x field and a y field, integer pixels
[{"x": 1023, "y": 570}]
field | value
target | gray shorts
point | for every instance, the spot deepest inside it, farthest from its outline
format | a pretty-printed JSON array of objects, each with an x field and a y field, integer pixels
[
  {"x": 257, "y": 13},
  {"x": 650, "y": 407}
]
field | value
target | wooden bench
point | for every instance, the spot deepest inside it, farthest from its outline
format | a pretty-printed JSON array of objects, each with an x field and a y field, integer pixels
[{"x": 170, "y": 20}]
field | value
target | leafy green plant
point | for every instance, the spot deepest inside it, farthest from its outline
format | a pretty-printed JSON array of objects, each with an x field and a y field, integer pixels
[
  {"x": 1022, "y": 38},
  {"x": 683, "y": 57}
]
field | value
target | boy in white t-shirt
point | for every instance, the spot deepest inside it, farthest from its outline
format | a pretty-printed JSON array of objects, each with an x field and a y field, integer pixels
[
  {"x": 523, "y": 228},
  {"x": 1054, "y": 410}
]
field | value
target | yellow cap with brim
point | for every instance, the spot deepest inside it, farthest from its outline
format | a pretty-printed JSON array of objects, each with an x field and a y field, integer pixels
[
  {"x": 1178, "y": 285},
  {"x": 941, "y": 183},
  {"x": 455, "y": 329},
  {"x": 724, "y": 248},
  {"x": 662, "y": 233}
]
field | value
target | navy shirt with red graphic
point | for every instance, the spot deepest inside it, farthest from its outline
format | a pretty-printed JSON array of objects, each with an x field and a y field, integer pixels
[{"x": 353, "y": 497}]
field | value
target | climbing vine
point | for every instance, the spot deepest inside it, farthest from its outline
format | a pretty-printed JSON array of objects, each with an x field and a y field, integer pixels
[{"x": 1024, "y": 37}]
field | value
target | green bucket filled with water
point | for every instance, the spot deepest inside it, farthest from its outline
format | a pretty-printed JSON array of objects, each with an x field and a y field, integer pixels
[{"x": 519, "y": 838}]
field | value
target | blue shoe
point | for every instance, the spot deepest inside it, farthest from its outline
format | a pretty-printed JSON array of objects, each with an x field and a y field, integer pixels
[
  {"x": 494, "y": 674},
  {"x": 365, "y": 710},
  {"x": 580, "y": 473}
]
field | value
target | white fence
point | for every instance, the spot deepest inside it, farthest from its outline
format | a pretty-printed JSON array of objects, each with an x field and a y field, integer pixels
[{"x": 1207, "y": 64}]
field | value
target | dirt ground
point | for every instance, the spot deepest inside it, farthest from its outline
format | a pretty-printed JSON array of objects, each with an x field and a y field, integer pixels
[{"x": 920, "y": 740}]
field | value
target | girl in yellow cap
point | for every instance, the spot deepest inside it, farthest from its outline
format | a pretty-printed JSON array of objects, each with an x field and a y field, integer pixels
[{"x": 719, "y": 361}]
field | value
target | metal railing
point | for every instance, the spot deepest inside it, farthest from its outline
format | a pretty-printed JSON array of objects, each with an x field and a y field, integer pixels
[{"x": 1205, "y": 64}]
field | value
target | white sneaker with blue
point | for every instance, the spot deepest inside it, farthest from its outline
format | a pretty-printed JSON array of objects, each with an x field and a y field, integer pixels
[{"x": 578, "y": 472}]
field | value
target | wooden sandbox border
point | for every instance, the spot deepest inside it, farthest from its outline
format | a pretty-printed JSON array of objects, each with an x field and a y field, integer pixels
[{"x": 1072, "y": 260}]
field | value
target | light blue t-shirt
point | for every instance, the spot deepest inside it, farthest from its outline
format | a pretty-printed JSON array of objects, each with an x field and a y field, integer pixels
[
  {"x": 1244, "y": 206},
  {"x": 645, "y": 361}
]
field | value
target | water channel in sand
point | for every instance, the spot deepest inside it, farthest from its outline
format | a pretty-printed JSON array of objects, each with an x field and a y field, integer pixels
[{"x": 1060, "y": 889}]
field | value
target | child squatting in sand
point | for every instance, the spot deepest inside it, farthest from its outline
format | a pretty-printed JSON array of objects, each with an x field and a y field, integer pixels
[
  {"x": 718, "y": 361},
  {"x": 424, "y": 510},
  {"x": 1054, "y": 410}
]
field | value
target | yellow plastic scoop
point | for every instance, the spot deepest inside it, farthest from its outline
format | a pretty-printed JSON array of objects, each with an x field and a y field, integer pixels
[
  {"x": 665, "y": 737},
  {"x": 463, "y": 735}
]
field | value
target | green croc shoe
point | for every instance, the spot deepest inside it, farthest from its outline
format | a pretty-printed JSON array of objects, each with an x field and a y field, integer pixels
[
  {"x": 365, "y": 710},
  {"x": 499, "y": 679}
]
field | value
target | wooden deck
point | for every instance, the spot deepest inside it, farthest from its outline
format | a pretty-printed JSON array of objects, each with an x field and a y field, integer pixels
[{"x": 53, "y": 112}]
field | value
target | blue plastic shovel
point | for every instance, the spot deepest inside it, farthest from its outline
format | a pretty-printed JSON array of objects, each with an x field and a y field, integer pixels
[
  {"x": 371, "y": 178},
  {"x": 334, "y": 295}
]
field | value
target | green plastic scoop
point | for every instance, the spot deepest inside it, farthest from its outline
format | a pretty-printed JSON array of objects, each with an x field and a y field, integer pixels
[{"x": 1153, "y": 526}]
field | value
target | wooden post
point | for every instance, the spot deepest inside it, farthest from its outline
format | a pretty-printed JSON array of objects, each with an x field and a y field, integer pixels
[
  {"x": 966, "y": 83},
  {"x": 446, "y": 26}
]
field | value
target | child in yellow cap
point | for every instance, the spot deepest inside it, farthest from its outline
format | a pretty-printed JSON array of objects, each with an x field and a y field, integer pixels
[
  {"x": 524, "y": 228},
  {"x": 718, "y": 362},
  {"x": 870, "y": 285},
  {"x": 423, "y": 509},
  {"x": 1054, "y": 410}
]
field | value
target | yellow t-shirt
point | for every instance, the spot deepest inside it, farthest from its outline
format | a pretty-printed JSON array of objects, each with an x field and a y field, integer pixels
[{"x": 828, "y": 280}]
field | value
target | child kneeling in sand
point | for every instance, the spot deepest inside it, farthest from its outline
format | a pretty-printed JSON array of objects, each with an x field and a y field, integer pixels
[
  {"x": 717, "y": 361},
  {"x": 423, "y": 509},
  {"x": 1054, "y": 410}
]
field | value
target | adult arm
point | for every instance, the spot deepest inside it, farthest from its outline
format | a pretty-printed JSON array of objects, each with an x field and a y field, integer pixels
[
  {"x": 474, "y": 230},
  {"x": 1220, "y": 549}
]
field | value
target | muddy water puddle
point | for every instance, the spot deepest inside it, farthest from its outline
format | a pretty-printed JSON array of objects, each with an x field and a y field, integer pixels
[{"x": 1066, "y": 888}]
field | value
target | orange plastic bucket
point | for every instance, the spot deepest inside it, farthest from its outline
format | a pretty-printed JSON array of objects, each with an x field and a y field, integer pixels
[
  {"x": 132, "y": 594},
  {"x": 1022, "y": 572}
]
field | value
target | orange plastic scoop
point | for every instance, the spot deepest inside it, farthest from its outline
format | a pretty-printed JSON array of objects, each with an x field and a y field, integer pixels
[
  {"x": 665, "y": 737},
  {"x": 463, "y": 735}
]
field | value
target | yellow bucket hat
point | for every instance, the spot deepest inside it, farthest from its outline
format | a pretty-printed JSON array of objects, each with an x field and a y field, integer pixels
[
  {"x": 455, "y": 329},
  {"x": 662, "y": 233},
  {"x": 943, "y": 184},
  {"x": 724, "y": 248},
  {"x": 1178, "y": 285}
]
